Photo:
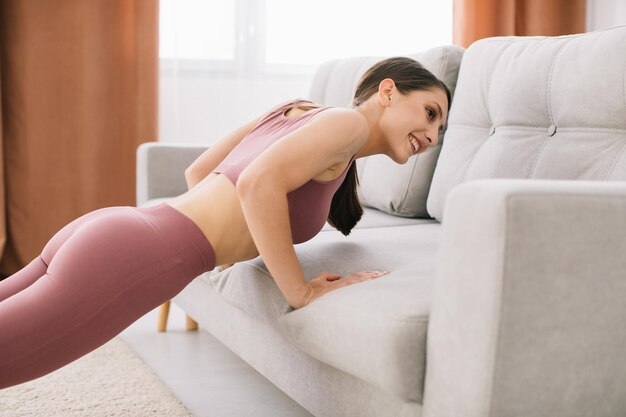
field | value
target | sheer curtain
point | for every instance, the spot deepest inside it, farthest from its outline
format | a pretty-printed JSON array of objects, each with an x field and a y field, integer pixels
[{"x": 224, "y": 62}]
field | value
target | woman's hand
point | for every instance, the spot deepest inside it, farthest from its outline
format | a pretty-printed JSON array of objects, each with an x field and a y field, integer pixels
[
  {"x": 327, "y": 282},
  {"x": 220, "y": 268}
]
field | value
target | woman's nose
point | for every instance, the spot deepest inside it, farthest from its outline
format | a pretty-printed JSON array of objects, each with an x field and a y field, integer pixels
[{"x": 433, "y": 137}]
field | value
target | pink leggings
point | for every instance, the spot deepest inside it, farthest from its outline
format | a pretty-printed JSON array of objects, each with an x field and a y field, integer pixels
[{"x": 93, "y": 279}]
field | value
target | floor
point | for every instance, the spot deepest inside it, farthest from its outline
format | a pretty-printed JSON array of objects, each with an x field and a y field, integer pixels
[{"x": 204, "y": 374}]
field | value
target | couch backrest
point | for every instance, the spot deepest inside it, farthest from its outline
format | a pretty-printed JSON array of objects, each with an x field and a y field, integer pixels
[
  {"x": 383, "y": 184},
  {"x": 536, "y": 107}
]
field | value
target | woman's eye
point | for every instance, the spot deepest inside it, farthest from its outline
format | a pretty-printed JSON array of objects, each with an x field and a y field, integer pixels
[{"x": 431, "y": 114}]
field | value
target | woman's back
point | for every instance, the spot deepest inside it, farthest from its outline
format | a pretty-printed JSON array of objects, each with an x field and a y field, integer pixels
[{"x": 214, "y": 203}]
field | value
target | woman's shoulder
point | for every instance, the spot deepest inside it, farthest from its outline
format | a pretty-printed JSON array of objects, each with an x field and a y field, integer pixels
[
  {"x": 345, "y": 125},
  {"x": 293, "y": 102},
  {"x": 349, "y": 118},
  {"x": 281, "y": 107},
  {"x": 353, "y": 120}
]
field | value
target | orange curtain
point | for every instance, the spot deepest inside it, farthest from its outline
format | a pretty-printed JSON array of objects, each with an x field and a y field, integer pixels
[
  {"x": 477, "y": 19},
  {"x": 3, "y": 229},
  {"x": 79, "y": 94}
]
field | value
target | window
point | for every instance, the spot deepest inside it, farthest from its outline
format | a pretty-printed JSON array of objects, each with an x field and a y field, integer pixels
[
  {"x": 312, "y": 32},
  {"x": 286, "y": 36},
  {"x": 197, "y": 29}
]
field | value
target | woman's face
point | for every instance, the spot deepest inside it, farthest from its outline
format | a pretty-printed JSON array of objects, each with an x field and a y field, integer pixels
[{"x": 415, "y": 119}]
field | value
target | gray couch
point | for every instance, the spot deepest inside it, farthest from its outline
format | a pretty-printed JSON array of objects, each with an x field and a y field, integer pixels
[{"x": 506, "y": 247}]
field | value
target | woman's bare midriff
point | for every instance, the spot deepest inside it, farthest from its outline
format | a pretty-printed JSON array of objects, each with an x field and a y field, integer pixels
[{"x": 214, "y": 206}]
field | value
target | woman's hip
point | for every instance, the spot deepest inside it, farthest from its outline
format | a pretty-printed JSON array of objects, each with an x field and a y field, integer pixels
[{"x": 131, "y": 239}]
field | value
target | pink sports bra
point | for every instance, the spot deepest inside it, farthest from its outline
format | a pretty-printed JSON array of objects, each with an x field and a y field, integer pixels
[{"x": 309, "y": 205}]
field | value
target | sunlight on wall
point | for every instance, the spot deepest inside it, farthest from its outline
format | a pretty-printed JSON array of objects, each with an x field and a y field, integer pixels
[
  {"x": 197, "y": 29},
  {"x": 302, "y": 33},
  {"x": 326, "y": 29}
]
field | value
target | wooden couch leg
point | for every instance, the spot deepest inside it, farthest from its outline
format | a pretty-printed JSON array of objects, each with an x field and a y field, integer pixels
[
  {"x": 163, "y": 313},
  {"x": 191, "y": 324}
]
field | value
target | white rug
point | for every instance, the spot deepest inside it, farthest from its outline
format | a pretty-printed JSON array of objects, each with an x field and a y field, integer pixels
[{"x": 110, "y": 381}]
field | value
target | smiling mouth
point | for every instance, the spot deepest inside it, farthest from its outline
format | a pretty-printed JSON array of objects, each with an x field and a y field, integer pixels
[{"x": 414, "y": 143}]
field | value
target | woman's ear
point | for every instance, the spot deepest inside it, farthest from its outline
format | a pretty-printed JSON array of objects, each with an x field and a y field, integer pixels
[{"x": 385, "y": 90}]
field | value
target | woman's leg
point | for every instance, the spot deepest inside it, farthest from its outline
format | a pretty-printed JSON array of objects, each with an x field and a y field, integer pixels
[
  {"x": 37, "y": 267},
  {"x": 109, "y": 272},
  {"x": 22, "y": 278}
]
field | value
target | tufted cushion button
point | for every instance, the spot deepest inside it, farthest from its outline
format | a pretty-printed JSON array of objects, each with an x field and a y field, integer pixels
[
  {"x": 492, "y": 130},
  {"x": 551, "y": 130}
]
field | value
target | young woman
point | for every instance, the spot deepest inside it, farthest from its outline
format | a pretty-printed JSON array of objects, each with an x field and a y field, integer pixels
[{"x": 268, "y": 185}]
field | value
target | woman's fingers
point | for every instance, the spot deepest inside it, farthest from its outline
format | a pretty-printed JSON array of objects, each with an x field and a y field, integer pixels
[
  {"x": 335, "y": 280},
  {"x": 364, "y": 276},
  {"x": 326, "y": 282},
  {"x": 371, "y": 273}
]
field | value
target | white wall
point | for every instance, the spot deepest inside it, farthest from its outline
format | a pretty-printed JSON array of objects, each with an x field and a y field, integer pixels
[
  {"x": 603, "y": 14},
  {"x": 202, "y": 108}
]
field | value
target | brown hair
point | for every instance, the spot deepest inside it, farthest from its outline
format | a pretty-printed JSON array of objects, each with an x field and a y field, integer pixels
[{"x": 408, "y": 75}]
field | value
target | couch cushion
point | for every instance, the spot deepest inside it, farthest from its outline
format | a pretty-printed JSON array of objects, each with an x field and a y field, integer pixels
[
  {"x": 375, "y": 330},
  {"x": 383, "y": 184},
  {"x": 536, "y": 107}
]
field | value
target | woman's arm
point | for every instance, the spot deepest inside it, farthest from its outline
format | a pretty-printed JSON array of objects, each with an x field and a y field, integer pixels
[
  {"x": 328, "y": 139},
  {"x": 212, "y": 157}
]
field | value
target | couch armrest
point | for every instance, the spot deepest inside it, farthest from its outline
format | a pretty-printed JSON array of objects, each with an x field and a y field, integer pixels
[
  {"x": 161, "y": 169},
  {"x": 529, "y": 303}
]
